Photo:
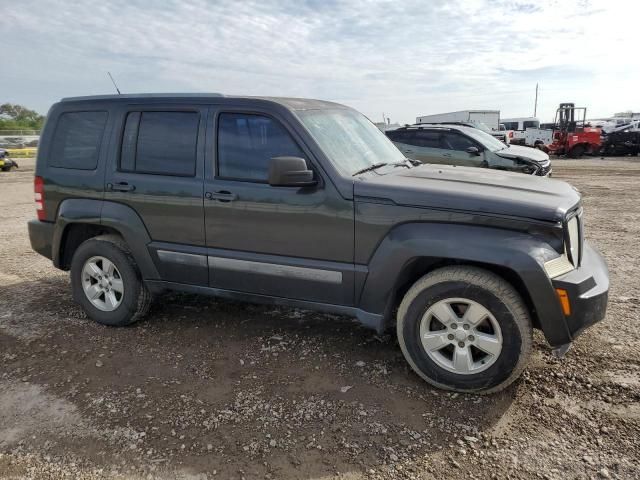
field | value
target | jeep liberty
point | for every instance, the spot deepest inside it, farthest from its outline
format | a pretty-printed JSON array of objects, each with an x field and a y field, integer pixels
[{"x": 306, "y": 203}]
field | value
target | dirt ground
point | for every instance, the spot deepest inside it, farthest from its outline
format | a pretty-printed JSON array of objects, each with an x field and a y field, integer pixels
[{"x": 205, "y": 388}]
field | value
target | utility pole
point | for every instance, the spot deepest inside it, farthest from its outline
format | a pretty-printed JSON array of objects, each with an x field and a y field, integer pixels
[{"x": 535, "y": 105}]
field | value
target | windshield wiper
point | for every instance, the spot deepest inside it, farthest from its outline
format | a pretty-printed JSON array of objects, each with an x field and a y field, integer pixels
[
  {"x": 370, "y": 168},
  {"x": 414, "y": 163}
]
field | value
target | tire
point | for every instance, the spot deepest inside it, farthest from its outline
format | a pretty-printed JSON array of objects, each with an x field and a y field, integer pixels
[
  {"x": 577, "y": 151},
  {"x": 508, "y": 322},
  {"x": 132, "y": 299}
]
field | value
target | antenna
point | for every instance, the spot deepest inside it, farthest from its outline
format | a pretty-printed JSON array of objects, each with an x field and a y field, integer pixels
[{"x": 114, "y": 83}]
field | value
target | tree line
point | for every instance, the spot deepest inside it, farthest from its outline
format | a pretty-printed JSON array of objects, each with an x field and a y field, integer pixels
[{"x": 19, "y": 117}]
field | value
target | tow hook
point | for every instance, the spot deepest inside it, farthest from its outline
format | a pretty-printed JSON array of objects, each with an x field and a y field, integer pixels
[{"x": 561, "y": 351}]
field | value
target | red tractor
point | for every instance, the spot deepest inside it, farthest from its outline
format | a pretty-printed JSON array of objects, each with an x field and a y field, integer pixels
[{"x": 571, "y": 136}]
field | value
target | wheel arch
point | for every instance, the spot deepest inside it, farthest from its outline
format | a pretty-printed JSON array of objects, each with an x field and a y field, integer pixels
[
  {"x": 80, "y": 219},
  {"x": 413, "y": 250},
  {"x": 418, "y": 267},
  {"x": 72, "y": 237}
]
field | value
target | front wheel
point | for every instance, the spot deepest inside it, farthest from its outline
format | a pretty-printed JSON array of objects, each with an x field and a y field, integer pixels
[{"x": 464, "y": 329}]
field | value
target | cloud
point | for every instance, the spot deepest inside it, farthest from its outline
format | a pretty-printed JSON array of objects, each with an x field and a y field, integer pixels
[{"x": 404, "y": 58}]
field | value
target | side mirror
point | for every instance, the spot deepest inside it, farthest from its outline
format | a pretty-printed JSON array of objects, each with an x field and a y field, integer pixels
[
  {"x": 290, "y": 172},
  {"x": 473, "y": 151}
]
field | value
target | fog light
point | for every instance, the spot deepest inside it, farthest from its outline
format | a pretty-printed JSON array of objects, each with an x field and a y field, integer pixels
[{"x": 563, "y": 296}]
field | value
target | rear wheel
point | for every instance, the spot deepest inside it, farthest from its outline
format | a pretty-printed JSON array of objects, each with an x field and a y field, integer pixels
[
  {"x": 106, "y": 282},
  {"x": 464, "y": 329},
  {"x": 577, "y": 151}
]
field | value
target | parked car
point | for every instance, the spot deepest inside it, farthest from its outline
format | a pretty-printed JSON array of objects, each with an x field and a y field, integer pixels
[
  {"x": 6, "y": 163},
  {"x": 453, "y": 144},
  {"x": 306, "y": 203},
  {"x": 622, "y": 140}
]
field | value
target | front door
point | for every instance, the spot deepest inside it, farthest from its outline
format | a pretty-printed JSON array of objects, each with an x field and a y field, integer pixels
[
  {"x": 157, "y": 170},
  {"x": 456, "y": 152},
  {"x": 291, "y": 242}
]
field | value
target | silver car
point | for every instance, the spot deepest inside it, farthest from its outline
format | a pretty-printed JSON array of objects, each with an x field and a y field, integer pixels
[{"x": 467, "y": 146}]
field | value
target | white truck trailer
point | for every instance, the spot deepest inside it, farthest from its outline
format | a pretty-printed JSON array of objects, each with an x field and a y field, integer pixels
[{"x": 490, "y": 118}]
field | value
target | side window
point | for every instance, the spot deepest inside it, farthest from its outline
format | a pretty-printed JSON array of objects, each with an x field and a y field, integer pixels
[
  {"x": 530, "y": 124},
  {"x": 247, "y": 142},
  {"x": 407, "y": 137},
  {"x": 455, "y": 141},
  {"x": 402, "y": 136},
  {"x": 510, "y": 125},
  {"x": 161, "y": 143},
  {"x": 77, "y": 139},
  {"x": 394, "y": 135},
  {"x": 428, "y": 139}
]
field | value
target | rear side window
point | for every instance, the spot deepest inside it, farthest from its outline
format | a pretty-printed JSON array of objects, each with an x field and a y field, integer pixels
[
  {"x": 161, "y": 143},
  {"x": 247, "y": 142},
  {"x": 77, "y": 139},
  {"x": 428, "y": 139}
]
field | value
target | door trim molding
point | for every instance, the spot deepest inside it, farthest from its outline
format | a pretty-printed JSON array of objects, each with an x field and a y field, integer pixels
[
  {"x": 276, "y": 270},
  {"x": 182, "y": 258}
]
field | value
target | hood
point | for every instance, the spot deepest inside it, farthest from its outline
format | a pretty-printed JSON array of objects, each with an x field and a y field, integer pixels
[
  {"x": 477, "y": 190},
  {"x": 515, "y": 151}
]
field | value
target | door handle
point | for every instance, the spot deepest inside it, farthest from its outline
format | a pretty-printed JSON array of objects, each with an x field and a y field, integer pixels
[
  {"x": 221, "y": 196},
  {"x": 120, "y": 187},
  {"x": 448, "y": 155}
]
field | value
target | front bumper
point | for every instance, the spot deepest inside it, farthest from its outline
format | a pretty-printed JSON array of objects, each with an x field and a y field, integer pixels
[
  {"x": 41, "y": 237},
  {"x": 588, "y": 291}
]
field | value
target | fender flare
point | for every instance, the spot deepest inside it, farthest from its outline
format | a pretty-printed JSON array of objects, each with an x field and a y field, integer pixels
[
  {"x": 521, "y": 253},
  {"x": 116, "y": 216}
]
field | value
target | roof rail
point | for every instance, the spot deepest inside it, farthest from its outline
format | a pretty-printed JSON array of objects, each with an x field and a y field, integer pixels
[{"x": 141, "y": 95}]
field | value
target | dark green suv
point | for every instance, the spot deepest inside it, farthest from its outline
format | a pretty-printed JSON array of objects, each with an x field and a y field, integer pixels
[{"x": 306, "y": 203}]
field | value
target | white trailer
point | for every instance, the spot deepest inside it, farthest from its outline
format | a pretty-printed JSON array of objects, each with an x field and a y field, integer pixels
[{"x": 490, "y": 118}]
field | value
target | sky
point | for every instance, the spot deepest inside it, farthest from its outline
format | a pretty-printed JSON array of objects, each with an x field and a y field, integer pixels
[{"x": 402, "y": 58}]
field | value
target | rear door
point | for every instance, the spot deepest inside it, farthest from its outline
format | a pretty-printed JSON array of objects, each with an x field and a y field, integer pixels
[
  {"x": 158, "y": 171},
  {"x": 420, "y": 144}
]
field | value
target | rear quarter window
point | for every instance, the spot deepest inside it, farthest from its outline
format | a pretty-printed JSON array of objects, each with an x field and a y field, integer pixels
[{"x": 77, "y": 140}]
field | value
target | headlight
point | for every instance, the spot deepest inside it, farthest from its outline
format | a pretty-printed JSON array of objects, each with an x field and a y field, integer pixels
[
  {"x": 573, "y": 248},
  {"x": 570, "y": 259}
]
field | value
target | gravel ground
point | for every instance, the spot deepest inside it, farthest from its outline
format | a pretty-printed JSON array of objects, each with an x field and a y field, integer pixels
[{"x": 204, "y": 388}]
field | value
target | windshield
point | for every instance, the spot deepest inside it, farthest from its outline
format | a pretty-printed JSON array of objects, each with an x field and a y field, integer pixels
[
  {"x": 489, "y": 141},
  {"x": 349, "y": 139}
]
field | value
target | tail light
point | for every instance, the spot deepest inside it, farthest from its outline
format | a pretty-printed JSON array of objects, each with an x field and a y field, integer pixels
[
  {"x": 511, "y": 134},
  {"x": 38, "y": 188}
]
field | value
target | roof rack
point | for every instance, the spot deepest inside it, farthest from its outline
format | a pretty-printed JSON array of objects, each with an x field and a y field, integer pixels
[{"x": 142, "y": 95}]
